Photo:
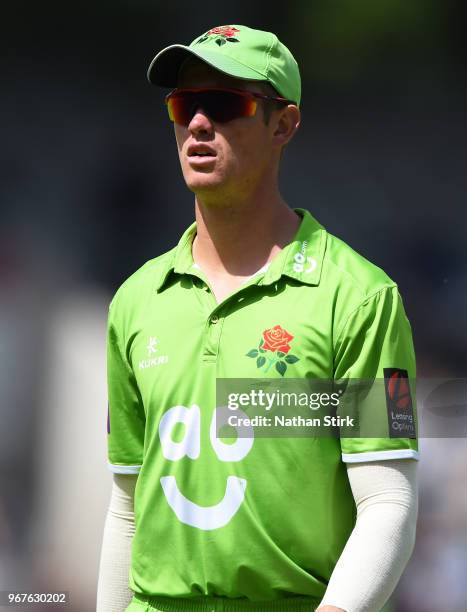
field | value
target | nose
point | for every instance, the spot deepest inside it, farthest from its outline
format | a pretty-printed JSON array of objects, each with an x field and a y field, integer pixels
[{"x": 200, "y": 122}]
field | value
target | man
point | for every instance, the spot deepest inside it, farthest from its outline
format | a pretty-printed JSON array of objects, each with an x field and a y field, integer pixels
[{"x": 253, "y": 289}]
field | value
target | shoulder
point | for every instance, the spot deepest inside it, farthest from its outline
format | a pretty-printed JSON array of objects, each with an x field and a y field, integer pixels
[
  {"x": 141, "y": 283},
  {"x": 351, "y": 272},
  {"x": 353, "y": 283}
]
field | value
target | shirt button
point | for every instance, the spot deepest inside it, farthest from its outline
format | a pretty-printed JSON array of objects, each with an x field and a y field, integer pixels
[{"x": 214, "y": 319}]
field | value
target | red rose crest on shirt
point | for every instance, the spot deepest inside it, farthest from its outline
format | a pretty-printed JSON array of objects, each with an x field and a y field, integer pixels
[
  {"x": 273, "y": 349},
  {"x": 222, "y": 35}
]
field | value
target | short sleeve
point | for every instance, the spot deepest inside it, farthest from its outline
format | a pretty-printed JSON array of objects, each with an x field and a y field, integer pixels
[
  {"x": 126, "y": 417},
  {"x": 375, "y": 346}
]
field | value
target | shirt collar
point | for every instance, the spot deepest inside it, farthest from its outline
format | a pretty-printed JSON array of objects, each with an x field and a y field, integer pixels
[
  {"x": 180, "y": 259},
  {"x": 301, "y": 259}
]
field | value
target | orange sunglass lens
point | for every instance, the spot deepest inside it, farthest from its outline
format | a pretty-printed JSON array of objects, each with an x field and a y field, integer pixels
[{"x": 220, "y": 106}]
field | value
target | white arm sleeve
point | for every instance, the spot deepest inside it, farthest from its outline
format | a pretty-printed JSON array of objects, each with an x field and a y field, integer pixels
[
  {"x": 381, "y": 543},
  {"x": 113, "y": 594}
]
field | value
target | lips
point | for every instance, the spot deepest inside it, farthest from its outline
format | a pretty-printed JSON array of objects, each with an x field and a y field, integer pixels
[{"x": 199, "y": 151}]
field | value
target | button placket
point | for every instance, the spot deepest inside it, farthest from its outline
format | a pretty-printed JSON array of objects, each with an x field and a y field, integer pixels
[
  {"x": 212, "y": 338},
  {"x": 215, "y": 319}
]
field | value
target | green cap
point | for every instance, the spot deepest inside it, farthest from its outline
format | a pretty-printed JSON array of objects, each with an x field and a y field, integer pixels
[{"x": 236, "y": 50}]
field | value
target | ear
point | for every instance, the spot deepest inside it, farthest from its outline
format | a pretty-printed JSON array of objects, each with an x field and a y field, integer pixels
[{"x": 287, "y": 123}]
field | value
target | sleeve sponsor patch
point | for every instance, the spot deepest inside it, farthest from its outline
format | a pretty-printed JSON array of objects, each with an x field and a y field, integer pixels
[{"x": 401, "y": 420}]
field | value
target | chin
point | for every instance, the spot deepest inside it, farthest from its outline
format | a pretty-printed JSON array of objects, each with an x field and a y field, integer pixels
[{"x": 203, "y": 181}]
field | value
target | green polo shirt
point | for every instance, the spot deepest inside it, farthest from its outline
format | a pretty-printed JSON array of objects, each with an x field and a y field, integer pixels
[{"x": 250, "y": 519}]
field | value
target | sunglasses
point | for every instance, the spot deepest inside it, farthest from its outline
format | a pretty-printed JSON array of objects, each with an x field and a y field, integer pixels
[{"x": 221, "y": 105}]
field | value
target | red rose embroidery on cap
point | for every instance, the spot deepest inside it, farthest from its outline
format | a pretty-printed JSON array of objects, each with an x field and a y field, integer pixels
[
  {"x": 224, "y": 31},
  {"x": 221, "y": 34}
]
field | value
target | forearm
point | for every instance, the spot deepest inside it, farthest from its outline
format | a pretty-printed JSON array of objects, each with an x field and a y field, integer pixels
[
  {"x": 382, "y": 540},
  {"x": 113, "y": 594}
]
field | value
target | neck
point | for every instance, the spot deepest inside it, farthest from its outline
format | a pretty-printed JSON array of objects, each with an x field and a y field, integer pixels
[{"x": 238, "y": 237}]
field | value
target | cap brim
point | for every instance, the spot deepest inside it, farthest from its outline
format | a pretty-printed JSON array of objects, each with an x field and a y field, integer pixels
[{"x": 163, "y": 70}]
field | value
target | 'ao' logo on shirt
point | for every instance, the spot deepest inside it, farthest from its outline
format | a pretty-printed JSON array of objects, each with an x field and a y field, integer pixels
[
  {"x": 186, "y": 510},
  {"x": 300, "y": 260}
]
